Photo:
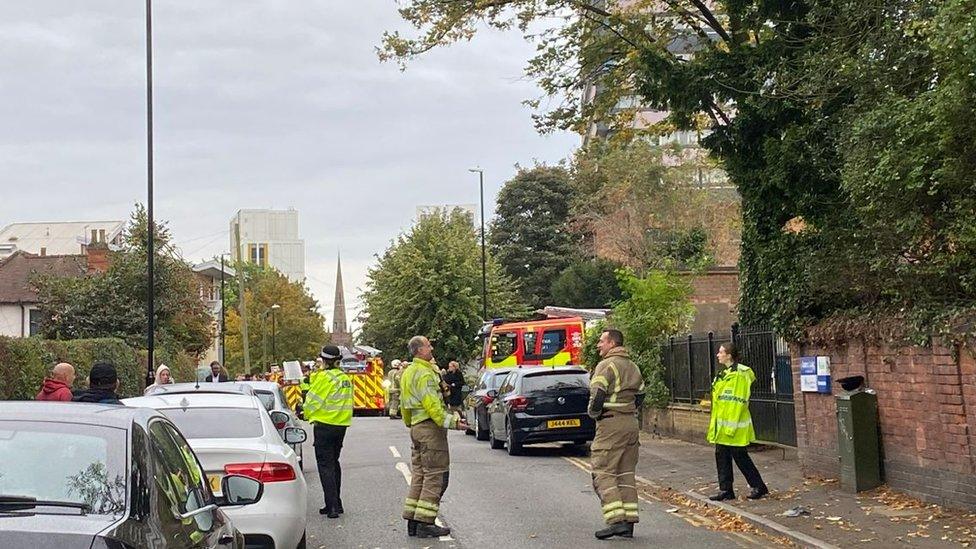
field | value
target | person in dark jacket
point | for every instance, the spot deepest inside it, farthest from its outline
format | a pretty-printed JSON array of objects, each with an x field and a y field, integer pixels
[
  {"x": 217, "y": 373},
  {"x": 454, "y": 380},
  {"x": 103, "y": 382},
  {"x": 57, "y": 386}
]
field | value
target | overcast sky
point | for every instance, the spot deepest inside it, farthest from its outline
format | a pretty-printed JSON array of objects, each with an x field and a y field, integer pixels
[{"x": 258, "y": 104}]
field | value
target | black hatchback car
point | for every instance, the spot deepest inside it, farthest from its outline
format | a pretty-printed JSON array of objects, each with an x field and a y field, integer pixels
[
  {"x": 540, "y": 404},
  {"x": 101, "y": 476}
]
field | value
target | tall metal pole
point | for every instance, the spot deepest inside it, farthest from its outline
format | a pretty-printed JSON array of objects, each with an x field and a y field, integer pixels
[
  {"x": 223, "y": 316},
  {"x": 274, "y": 349},
  {"x": 151, "y": 246},
  {"x": 484, "y": 273}
]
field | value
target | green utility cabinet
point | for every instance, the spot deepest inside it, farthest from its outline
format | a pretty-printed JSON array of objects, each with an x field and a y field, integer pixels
[{"x": 858, "y": 440}]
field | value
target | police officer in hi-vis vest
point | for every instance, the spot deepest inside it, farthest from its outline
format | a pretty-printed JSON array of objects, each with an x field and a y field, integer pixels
[
  {"x": 616, "y": 395},
  {"x": 328, "y": 407},
  {"x": 730, "y": 426},
  {"x": 424, "y": 413}
]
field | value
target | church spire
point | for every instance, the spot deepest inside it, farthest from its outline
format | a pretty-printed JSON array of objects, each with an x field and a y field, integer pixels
[{"x": 340, "y": 328}]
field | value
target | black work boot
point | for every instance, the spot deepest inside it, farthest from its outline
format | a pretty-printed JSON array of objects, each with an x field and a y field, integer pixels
[
  {"x": 722, "y": 496},
  {"x": 412, "y": 527},
  {"x": 425, "y": 530},
  {"x": 616, "y": 529},
  {"x": 758, "y": 493}
]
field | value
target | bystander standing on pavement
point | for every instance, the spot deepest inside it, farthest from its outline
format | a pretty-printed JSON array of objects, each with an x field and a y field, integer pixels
[
  {"x": 455, "y": 381},
  {"x": 217, "y": 374},
  {"x": 328, "y": 407},
  {"x": 430, "y": 461},
  {"x": 616, "y": 396},
  {"x": 57, "y": 386},
  {"x": 730, "y": 426},
  {"x": 163, "y": 377},
  {"x": 103, "y": 384}
]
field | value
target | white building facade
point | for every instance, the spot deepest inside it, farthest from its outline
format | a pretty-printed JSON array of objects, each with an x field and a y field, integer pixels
[{"x": 269, "y": 238}]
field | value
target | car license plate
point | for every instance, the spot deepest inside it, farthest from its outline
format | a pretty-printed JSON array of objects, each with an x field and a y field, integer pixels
[
  {"x": 559, "y": 423},
  {"x": 214, "y": 481}
]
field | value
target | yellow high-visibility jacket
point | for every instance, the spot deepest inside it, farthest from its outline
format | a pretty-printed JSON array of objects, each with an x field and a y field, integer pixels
[{"x": 420, "y": 396}]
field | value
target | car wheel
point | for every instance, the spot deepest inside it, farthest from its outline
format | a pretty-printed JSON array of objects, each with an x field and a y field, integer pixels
[
  {"x": 479, "y": 433},
  {"x": 492, "y": 441},
  {"x": 514, "y": 445},
  {"x": 301, "y": 543}
]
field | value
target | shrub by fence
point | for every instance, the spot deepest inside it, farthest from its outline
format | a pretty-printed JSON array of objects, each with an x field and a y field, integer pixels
[{"x": 25, "y": 362}]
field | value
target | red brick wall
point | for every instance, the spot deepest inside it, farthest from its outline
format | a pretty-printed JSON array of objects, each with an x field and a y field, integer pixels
[
  {"x": 716, "y": 297},
  {"x": 716, "y": 286},
  {"x": 927, "y": 414}
]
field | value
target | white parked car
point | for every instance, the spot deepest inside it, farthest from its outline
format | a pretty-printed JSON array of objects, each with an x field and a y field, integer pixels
[{"x": 233, "y": 434}]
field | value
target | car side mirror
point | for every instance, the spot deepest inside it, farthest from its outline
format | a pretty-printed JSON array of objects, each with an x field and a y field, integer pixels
[
  {"x": 295, "y": 435},
  {"x": 492, "y": 394},
  {"x": 279, "y": 418},
  {"x": 240, "y": 490}
]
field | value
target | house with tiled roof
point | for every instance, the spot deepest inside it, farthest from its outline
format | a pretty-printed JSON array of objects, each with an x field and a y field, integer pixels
[{"x": 19, "y": 312}]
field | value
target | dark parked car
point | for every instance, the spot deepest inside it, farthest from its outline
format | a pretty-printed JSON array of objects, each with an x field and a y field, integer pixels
[
  {"x": 540, "y": 404},
  {"x": 100, "y": 476},
  {"x": 476, "y": 403}
]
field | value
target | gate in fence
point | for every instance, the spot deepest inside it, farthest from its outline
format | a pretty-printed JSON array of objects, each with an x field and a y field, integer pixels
[{"x": 690, "y": 365}]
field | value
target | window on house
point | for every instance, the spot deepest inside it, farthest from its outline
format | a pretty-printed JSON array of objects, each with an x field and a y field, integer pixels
[{"x": 36, "y": 319}]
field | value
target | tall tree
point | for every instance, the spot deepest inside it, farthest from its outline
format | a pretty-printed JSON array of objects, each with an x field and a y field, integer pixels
[
  {"x": 826, "y": 96},
  {"x": 642, "y": 208},
  {"x": 590, "y": 283},
  {"x": 112, "y": 304},
  {"x": 428, "y": 282},
  {"x": 530, "y": 235},
  {"x": 299, "y": 329}
]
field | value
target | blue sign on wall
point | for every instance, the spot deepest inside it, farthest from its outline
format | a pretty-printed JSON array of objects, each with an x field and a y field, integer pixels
[{"x": 815, "y": 374}]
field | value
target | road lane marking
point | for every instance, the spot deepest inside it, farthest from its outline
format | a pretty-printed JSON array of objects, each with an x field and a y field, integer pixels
[
  {"x": 407, "y": 476},
  {"x": 395, "y": 452},
  {"x": 405, "y": 469},
  {"x": 582, "y": 465}
]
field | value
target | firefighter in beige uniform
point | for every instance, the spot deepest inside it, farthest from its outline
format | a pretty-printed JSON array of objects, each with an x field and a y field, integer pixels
[
  {"x": 423, "y": 412},
  {"x": 616, "y": 394}
]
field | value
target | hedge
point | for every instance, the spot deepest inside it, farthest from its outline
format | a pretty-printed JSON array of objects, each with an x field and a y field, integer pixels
[{"x": 24, "y": 363}]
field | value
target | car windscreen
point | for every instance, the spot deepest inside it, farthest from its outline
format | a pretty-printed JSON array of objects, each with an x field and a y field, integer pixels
[
  {"x": 554, "y": 380},
  {"x": 267, "y": 398},
  {"x": 216, "y": 422},
  {"x": 64, "y": 462},
  {"x": 495, "y": 381}
]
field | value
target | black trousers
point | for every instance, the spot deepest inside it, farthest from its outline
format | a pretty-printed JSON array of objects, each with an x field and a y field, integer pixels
[
  {"x": 724, "y": 455},
  {"x": 328, "y": 446}
]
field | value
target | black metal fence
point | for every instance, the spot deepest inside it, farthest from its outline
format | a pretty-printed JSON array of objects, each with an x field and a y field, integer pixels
[{"x": 690, "y": 366}]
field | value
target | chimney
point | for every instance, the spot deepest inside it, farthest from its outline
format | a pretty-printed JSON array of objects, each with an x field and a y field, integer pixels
[
  {"x": 94, "y": 237},
  {"x": 43, "y": 251},
  {"x": 97, "y": 255}
]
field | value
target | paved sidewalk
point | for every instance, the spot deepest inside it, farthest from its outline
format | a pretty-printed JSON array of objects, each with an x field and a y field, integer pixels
[{"x": 879, "y": 518}]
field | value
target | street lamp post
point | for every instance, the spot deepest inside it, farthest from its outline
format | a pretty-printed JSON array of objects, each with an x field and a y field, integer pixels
[
  {"x": 274, "y": 351},
  {"x": 223, "y": 315},
  {"x": 151, "y": 251},
  {"x": 484, "y": 274}
]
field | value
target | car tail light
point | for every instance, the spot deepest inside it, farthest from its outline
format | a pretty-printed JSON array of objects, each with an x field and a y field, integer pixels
[
  {"x": 263, "y": 472},
  {"x": 519, "y": 403},
  {"x": 486, "y": 400}
]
